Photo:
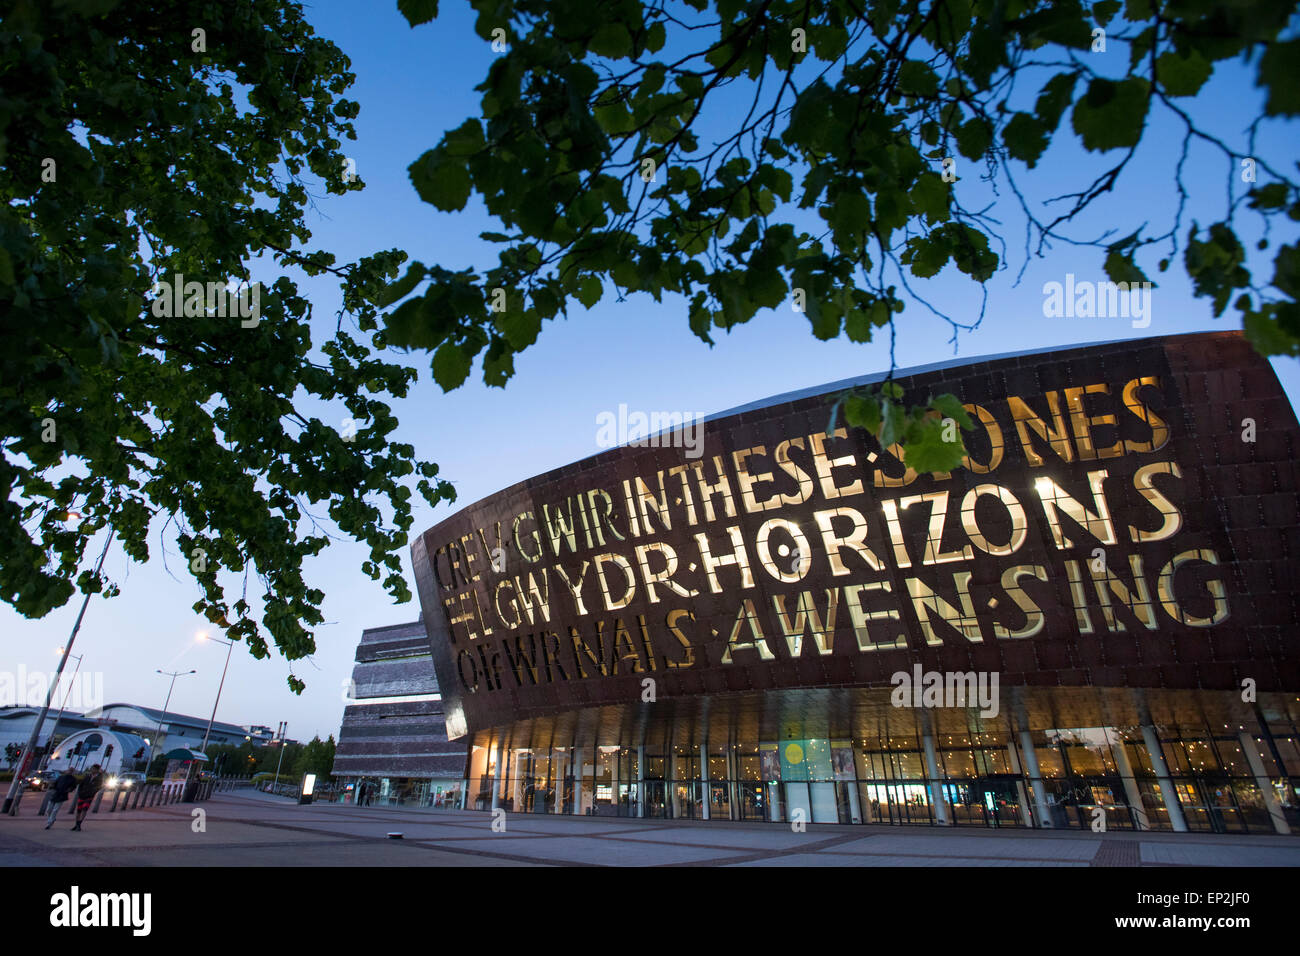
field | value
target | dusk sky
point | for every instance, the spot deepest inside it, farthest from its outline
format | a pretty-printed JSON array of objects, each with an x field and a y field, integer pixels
[{"x": 414, "y": 84}]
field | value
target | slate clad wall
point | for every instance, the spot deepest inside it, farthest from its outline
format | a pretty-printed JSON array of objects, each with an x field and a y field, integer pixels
[{"x": 401, "y": 738}]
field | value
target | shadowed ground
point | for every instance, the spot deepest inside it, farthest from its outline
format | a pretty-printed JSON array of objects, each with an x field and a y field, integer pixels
[{"x": 254, "y": 829}]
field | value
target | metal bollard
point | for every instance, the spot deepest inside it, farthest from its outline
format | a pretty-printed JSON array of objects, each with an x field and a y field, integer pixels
[
  {"x": 153, "y": 796},
  {"x": 99, "y": 798},
  {"x": 45, "y": 804},
  {"x": 136, "y": 802}
]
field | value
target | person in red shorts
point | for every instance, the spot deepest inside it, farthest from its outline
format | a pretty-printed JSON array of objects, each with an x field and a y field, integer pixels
[{"x": 86, "y": 790}]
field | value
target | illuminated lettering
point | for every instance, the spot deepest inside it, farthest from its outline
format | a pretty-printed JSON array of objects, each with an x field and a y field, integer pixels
[
  {"x": 926, "y": 602},
  {"x": 807, "y": 618},
  {"x": 1028, "y": 420}
]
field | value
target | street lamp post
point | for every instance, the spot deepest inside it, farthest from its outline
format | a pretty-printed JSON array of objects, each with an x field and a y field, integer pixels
[
  {"x": 163, "y": 716},
  {"x": 15, "y": 785},
  {"x": 284, "y": 726},
  {"x": 45, "y": 761},
  {"x": 230, "y": 646}
]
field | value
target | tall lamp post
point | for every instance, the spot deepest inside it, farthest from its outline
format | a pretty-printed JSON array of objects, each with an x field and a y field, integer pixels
[
  {"x": 163, "y": 716},
  {"x": 284, "y": 726},
  {"x": 15, "y": 785},
  {"x": 230, "y": 646},
  {"x": 45, "y": 761}
]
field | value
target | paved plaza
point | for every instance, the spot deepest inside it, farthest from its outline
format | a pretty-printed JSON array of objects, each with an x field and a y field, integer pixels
[{"x": 255, "y": 829}]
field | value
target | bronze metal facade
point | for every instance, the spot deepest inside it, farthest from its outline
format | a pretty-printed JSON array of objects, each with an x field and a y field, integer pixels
[{"x": 1121, "y": 548}]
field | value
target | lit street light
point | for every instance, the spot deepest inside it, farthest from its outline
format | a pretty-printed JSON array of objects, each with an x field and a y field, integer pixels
[
  {"x": 156, "y": 737},
  {"x": 15, "y": 785},
  {"x": 230, "y": 646}
]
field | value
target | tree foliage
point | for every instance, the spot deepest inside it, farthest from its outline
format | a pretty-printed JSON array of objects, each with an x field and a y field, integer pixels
[
  {"x": 143, "y": 143},
  {"x": 832, "y": 176}
]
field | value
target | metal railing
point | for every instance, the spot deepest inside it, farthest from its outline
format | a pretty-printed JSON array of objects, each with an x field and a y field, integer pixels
[{"x": 121, "y": 799}]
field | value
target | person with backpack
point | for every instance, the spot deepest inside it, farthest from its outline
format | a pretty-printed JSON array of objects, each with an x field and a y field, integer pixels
[
  {"x": 64, "y": 785},
  {"x": 90, "y": 785}
]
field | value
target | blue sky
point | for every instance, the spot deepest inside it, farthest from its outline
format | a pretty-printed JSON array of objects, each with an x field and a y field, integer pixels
[{"x": 414, "y": 84}]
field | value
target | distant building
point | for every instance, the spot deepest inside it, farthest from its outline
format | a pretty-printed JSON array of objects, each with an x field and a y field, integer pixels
[
  {"x": 16, "y": 725},
  {"x": 115, "y": 751},
  {"x": 178, "y": 730},
  {"x": 393, "y": 738},
  {"x": 260, "y": 736}
]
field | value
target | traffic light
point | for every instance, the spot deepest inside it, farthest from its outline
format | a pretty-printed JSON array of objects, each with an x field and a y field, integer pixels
[
  {"x": 108, "y": 752},
  {"x": 77, "y": 750},
  {"x": 139, "y": 754}
]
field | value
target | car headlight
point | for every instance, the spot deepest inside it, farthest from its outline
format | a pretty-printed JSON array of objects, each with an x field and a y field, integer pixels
[{"x": 112, "y": 782}]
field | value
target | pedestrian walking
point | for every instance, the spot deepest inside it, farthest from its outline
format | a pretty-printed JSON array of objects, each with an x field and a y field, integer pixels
[
  {"x": 64, "y": 785},
  {"x": 86, "y": 790}
]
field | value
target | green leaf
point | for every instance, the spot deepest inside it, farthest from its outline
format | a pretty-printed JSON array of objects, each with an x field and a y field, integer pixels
[
  {"x": 1054, "y": 98},
  {"x": 1104, "y": 11},
  {"x": 917, "y": 79},
  {"x": 402, "y": 287},
  {"x": 612, "y": 40},
  {"x": 950, "y": 406},
  {"x": 1271, "y": 196},
  {"x": 655, "y": 37},
  {"x": 926, "y": 255},
  {"x": 1120, "y": 267},
  {"x": 520, "y": 327},
  {"x": 1274, "y": 329},
  {"x": 418, "y": 11},
  {"x": 1182, "y": 75},
  {"x": 440, "y": 180},
  {"x": 1286, "y": 271},
  {"x": 589, "y": 290},
  {"x": 925, "y": 451},
  {"x": 1111, "y": 115},
  {"x": 974, "y": 137},
  {"x": 863, "y": 411},
  {"x": 1277, "y": 73},
  {"x": 930, "y": 198},
  {"x": 1026, "y": 138},
  {"x": 451, "y": 365},
  {"x": 893, "y": 421}
]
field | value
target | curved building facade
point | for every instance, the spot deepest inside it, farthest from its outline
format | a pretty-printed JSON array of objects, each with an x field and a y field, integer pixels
[{"x": 766, "y": 616}]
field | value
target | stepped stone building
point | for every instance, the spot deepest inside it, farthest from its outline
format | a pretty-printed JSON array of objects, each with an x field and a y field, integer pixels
[{"x": 393, "y": 737}]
